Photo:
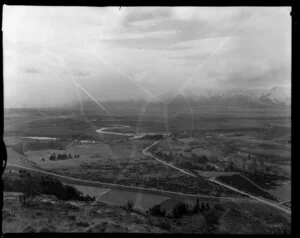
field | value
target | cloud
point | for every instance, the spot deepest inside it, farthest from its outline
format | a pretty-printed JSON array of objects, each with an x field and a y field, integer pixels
[
  {"x": 159, "y": 47},
  {"x": 209, "y": 14},
  {"x": 144, "y": 24},
  {"x": 30, "y": 70},
  {"x": 147, "y": 13},
  {"x": 195, "y": 50},
  {"x": 138, "y": 35},
  {"x": 249, "y": 78},
  {"x": 81, "y": 72},
  {"x": 144, "y": 78},
  {"x": 196, "y": 57}
]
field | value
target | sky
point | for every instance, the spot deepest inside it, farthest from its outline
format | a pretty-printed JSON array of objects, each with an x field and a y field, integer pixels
[{"x": 58, "y": 55}]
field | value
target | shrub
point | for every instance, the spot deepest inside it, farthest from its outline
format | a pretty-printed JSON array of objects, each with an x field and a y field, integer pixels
[
  {"x": 212, "y": 217},
  {"x": 179, "y": 210},
  {"x": 63, "y": 192},
  {"x": 218, "y": 207},
  {"x": 29, "y": 229},
  {"x": 156, "y": 211},
  {"x": 196, "y": 208},
  {"x": 129, "y": 205},
  {"x": 164, "y": 225},
  {"x": 53, "y": 157},
  {"x": 202, "y": 208},
  {"x": 32, "y": 186},
  {"x": 283, "y": 229}
]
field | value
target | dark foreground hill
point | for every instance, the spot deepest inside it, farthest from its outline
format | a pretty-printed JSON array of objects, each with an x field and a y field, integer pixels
[{"x": 46, "y": 211}]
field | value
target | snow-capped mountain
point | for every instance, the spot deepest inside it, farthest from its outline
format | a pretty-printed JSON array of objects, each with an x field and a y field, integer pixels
[
  {"x": 274, "y": 97},
  {"x": 278, "y": 95}
]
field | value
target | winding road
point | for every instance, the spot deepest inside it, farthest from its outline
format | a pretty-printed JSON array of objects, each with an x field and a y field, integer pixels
[
  {"x": 145, "y": 152},
  {"x": 151, "y": 190},
  {"x": 275, "y": 205}
]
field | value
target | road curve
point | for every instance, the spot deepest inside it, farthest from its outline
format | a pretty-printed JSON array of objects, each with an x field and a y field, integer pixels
[
  {"x": 145, "y": 152},
  {"x": 275, "y": 205},
  {"x": 256, "y": 198}
]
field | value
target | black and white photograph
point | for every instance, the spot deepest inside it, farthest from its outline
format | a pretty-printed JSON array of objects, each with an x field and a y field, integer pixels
[{"x": 130, "y": 119}]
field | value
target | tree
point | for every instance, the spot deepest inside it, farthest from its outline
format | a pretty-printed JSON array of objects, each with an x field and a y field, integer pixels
[
  {"x": 179, "y": 210},
  {"x": 231, "y": 166},
  {"x": 202, "y": 207},
  {"x": 196, "y": 207},
  {"x": 164, "y": 212},
  {"x": 129, "y": 205},
  {"x": 30, "y": 188},
  {"x": 218, "y": 207},
  {"x": 156, "y": 211}
]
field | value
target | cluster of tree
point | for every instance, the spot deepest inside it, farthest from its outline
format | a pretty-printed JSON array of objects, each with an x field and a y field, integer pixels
[
  {"x": 230, "y": 167},
  {"x": 63, "y": 156},
  {"x": 200, "y": 158},
  {"x": 256, "y": 165},
  {"x": 181, "y": 209},
  {"x": 170, "y": 156},
  {"x": 156, "y": 211},
  {"x": 34, "y": 186}
]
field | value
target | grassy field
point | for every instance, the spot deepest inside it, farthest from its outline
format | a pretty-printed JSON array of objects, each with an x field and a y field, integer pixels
[
  {"x": 282, "y": 192},
  {"x": 140, "y": 200},
  {"x": 241, "y": 183}
]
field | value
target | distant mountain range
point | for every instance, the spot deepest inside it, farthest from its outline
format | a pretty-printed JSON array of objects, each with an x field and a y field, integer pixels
[{"x": 276, "y": 97}]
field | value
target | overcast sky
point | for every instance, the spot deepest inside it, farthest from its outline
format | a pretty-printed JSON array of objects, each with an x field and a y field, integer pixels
[{"x": 54, "y": 55}]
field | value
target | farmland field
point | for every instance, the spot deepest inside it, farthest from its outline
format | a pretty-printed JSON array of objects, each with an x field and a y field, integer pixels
[{"x": 216, "y": 148}]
